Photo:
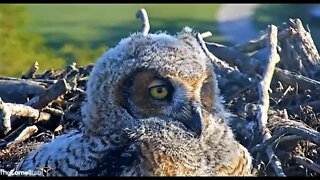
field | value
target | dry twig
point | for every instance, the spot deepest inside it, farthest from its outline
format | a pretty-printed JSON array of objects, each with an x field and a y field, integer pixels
[
  {"x": 31, "y": 72},
  {"x": 264, "y": 85},
  {"x": 50, "y": 94},
  {"x": 304, "y": 132},
  {"x": 25, "y": 134},
  {"x": 206, "y": 34},
  {"x": 262, "y": 41},
  {"x": 143, "y": 17},
  {"x": 18, "y": 91},
  {"x": 307, "y": 163},
  {"x": 29, "y": 108},
  {"x": 19, "y": 110}
]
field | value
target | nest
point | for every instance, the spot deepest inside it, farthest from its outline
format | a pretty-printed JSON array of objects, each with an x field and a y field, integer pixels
[{"x": 273, "y": 101}]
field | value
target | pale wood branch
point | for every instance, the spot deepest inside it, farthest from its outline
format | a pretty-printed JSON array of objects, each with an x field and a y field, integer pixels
[
  {"x": 264, "y": 84},
  {"x": 39, "y": 81},
  {"x": 252, "y": 66},
  {"x": 31, "y": 72},
  {"x": 262, "y": 41},
  {"x": 25, "y": 134},
  {"x": 29, "y": 109},
  {"x": 7, "y": 110},
  {"x": 305, "y": 47},
  {"x": 263, "y": 87},
  {"x": 206, "y": 34},
  {"x": 143, "y": 17},
  {"x": 50, "y": 94},
  {"x": 5, "y": 115}
]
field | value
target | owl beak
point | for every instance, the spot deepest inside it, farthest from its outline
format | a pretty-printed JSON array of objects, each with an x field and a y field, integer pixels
[{"x": 194, "y": 122}]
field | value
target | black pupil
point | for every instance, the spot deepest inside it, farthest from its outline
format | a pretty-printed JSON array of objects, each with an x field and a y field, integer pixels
[{"x": 160, "y": 89}]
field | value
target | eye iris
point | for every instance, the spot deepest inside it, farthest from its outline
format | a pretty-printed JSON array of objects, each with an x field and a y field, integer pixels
[{"x": 159, "y": 92}]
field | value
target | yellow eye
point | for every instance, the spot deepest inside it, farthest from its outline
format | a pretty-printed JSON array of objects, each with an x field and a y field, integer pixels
[{"x": 158, "y": 92}]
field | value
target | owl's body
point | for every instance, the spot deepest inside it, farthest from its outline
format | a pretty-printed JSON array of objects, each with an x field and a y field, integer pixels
[{"x": 153, "y": 108}]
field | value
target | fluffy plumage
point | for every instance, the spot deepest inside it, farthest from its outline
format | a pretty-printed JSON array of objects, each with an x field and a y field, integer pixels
[{"x": 127, "y": 133}]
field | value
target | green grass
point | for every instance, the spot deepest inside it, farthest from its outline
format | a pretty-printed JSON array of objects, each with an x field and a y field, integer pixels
[
  {"x": 278, "y": 13},
  {"x": 97, "y": 24}
]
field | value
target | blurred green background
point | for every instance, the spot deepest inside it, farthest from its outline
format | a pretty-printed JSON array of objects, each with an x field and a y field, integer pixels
[{"x": 56, "y": 35}]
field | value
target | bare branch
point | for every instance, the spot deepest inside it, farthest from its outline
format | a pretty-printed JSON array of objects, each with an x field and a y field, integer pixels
[
  {"x": 305, "y": 46},
  {"x": 50, "y": 94},
  {"x": 252, "y": 66},
  {"x": 7, "y": 110},
  {"x": 31, "y": 72},
  {"x": 234, "y": 57},
  {"x": 25, "y": 134},
  {"x": 40, "y": 81},
  {"x": 37, "y": 102},
  {"x": 4, "y": 118},
  {"x": 206, "y": 34},
  {"x": 218, "y": 63},
  {"x": 261, "y": 42},
  {"x": 143, "y": 17},
  {"x": 275, "y": 162},
  {"x": 263, "y": 87},
  {"x": 292, "y": 78},
  {"x": 295, "y": 129},
  {"x": 53, "y": 111},
  {"x": 307, "y": 163},
  {"x": 21, "y": 110},
  {"x": 18, "y": 91},
  {"x": 306, "y": 133}
]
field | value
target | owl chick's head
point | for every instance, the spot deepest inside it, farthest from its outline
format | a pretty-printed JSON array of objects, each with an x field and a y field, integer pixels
[{"x": 157, "y": 75}]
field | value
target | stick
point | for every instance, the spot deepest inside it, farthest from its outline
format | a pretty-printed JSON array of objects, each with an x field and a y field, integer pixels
[
  {"x": 143, "y": 17},
  {"x": 40, "y": 81},
  {"x": 25, "y": 134},
  {"x": 20, "y": 90},
  {"x": 314, "y": 104},
  {"x": 37, "y": 102},
  {"x": 226, "y": 74},
  {"x": 234, "y": 57},
  {"x": 31, "y": 72},
  {"x": 263, "y": 87},
  {"x": 206, "y": 34},
  {"x": 300, "y": 131},
  {"x": 221, "y": 67},
  {"x": 305, "y": 46},
  {"x": 275, "y": 162},
  {"x": 285, "y": 114},
  {"x": 14, "y": 133},
  {"x": 292, "y": 78},
  {"x": 4, "y": 118},
  {"x": 252, "y": 66},
  {"x": 262, "y": 41},
  {"x": 304, "y": 132},
  {"x": 284, "y": 94},
  {"x": 307, "y": 163},
  {"x": 19, "y": 110},
  {"x": 53, "y": 111},
  {"x": 50, "y": 94}
]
